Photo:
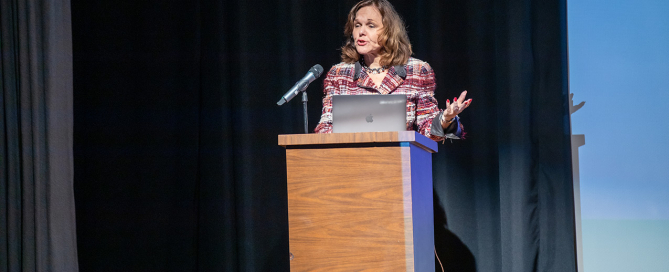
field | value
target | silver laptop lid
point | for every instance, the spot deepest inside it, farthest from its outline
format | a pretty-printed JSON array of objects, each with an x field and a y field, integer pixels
[{"x": 368, "y": 113}]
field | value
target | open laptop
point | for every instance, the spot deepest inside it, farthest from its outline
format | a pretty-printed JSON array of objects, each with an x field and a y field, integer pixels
[{"x": 368, "y": 113}]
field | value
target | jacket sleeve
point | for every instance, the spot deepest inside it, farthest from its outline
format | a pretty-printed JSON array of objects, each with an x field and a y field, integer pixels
[
  {"x": 329, "y": 86},
  {"x": 454, "y": 131},
  {"x": 428, "y": 113}
]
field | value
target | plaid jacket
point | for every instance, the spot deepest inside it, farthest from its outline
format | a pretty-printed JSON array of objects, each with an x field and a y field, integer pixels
[{"x": 415, "y": 79}]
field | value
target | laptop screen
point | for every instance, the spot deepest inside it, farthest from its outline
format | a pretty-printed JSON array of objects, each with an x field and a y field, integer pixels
[{"x": 368, "y": 113}]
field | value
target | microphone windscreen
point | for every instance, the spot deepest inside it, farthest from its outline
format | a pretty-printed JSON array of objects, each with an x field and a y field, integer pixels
[{"x": 317, "y": 70}]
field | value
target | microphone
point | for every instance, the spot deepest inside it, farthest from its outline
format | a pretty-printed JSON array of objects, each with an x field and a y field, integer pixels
[{"x": 301, "y": 85}]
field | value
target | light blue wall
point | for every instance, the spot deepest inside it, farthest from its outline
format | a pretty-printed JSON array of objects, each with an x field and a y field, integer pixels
[
  {"x": 619, "y": 65},
  {"x": 626, "y": 245}
]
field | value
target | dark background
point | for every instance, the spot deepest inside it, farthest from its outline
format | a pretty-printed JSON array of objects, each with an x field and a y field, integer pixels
[{"x": 177, "y": 166}]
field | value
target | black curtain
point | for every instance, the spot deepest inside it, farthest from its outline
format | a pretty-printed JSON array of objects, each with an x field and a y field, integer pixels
[
  {"x": 175, "y": 129},
  {"x": 37, "y": 220}
]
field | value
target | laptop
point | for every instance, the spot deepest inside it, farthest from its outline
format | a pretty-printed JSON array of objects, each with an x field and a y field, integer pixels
[{"x": 368, "y": 113}]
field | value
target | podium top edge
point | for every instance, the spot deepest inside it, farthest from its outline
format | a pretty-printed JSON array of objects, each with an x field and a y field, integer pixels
[{"x": 413, "y": 137}]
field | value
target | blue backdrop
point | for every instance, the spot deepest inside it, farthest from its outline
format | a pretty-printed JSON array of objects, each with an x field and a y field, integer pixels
[{"x": 619, "y": 65}]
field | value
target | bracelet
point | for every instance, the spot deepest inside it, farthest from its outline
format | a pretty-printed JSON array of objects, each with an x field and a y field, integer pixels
[{"x": 449, "y": 121}]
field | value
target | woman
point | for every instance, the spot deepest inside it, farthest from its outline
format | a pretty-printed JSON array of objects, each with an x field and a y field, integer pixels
[{"x": 376, "y": 59}]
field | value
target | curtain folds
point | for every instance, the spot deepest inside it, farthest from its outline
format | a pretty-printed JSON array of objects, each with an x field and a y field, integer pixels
[
  {"x": 176, "y": 123},
  {"x": 37, "y": 220}
]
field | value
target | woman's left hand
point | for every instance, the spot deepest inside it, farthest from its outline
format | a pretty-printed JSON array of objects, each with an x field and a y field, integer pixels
[{"x": 455, "y": 108}]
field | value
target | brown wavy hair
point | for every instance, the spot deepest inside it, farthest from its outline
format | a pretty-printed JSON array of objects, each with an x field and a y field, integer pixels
[{"x": 394, "y": 41}]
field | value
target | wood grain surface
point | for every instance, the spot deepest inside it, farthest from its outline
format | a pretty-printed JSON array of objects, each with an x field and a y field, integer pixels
[
  {"x": 358, "y": 138},
  {"x": 349, "y": 209}
]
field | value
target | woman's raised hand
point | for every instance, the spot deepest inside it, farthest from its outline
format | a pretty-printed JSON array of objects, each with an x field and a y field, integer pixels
[{"x": 452, "y": 109}]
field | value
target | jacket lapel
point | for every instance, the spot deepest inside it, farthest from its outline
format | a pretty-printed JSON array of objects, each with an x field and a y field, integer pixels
[
  {"x": 364, "y": 81},
  {"x": 390, "y": 82}
]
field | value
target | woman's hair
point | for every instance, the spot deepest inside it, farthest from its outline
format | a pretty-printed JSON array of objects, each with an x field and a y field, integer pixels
[{"x": 394, "y": 41}]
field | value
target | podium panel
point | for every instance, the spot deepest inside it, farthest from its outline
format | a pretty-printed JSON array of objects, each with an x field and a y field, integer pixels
[{"x": 360, "y": 201}]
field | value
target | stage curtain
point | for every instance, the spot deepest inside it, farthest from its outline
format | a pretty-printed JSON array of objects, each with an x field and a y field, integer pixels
[
  {"x": 176, "y": 124},
  {"x": 507, "y": 189},
  {"x": 37, "y": 213}
]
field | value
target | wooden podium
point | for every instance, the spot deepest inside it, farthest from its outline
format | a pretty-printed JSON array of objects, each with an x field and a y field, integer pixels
[{"x": 360, "y": 201}]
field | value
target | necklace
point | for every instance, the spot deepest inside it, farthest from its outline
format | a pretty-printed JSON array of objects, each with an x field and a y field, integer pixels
[{"x": 373, "y": 70}]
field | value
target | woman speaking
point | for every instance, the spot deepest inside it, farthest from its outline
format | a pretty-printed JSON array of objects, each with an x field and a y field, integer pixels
[{"x": 376, "y": 59}]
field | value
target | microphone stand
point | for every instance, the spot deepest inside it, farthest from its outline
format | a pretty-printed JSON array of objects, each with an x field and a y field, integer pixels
[
  {"x": 306, "y": 115},
  {"x": 301, "y": 86}
]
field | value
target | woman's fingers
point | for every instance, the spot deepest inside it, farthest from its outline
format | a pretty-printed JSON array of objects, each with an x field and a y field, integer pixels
[
  {"x": 462, "y": 97},
  {"x": 467, "y": 103},
  {"x": 448, "y": 105},
  {"x": 458, "y": 105}
]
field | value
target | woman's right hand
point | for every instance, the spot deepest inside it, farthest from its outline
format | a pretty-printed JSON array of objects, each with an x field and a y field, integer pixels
[{"x": 455, "y": 108}]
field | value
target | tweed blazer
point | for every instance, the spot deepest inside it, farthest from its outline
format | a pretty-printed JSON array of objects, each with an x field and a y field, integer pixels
[{"x": 415, "y": 80}]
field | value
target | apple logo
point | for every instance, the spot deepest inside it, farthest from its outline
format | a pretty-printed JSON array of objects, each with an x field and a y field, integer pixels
[{"x": 369, "y": 118}]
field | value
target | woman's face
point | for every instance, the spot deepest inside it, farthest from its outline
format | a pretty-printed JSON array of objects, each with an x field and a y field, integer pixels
[{"x": 366, "y": 29}]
